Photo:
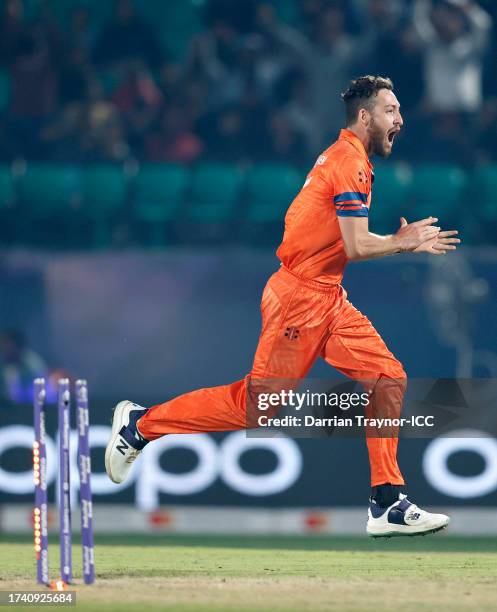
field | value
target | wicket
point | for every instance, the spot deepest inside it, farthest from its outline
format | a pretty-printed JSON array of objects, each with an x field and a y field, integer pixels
[{"x": 40, "y": 481}]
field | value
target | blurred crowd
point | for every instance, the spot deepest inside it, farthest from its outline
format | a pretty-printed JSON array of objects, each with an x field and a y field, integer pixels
[
  {"x": 19, "y": 365},
  {"x": 250, "y": 85}
]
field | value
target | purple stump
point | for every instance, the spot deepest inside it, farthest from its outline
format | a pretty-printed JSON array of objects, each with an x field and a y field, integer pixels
[
  {"x": 85, "y": 497},
  {"x": 40, "y": 512},
  {"x": 64, "y": 399}
]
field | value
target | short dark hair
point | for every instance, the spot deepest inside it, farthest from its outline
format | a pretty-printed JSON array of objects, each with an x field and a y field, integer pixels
[{"x": 361, "y": 93}]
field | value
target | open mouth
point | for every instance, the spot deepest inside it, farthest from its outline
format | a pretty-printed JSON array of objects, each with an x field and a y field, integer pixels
[{"x": 391, "y": 136}]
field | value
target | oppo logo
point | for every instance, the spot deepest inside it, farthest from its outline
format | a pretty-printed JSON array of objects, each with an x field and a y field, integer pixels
[
  {"x": 438, "y": 474},
  {"x": 223, "y": 461},
  {"x": 149, "y": 477}
]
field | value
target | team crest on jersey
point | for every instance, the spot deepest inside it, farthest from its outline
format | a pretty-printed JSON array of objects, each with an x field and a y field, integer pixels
[{"x": 292, "y": 333}]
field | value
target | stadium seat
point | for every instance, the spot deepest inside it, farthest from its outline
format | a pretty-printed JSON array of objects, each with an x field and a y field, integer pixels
[
  {"x": 104, "y": 193},
  {"x": 271, "y": 189},
  {"x": 49, "y": 195},
  {"x": 215, "y": 193},
  {"x": 46, "y": 189},
  {"x": 436, "y": 190},
  {"x": 482, "y": 192},
  {"x": 158, "y": 193},
  {"x": 389, "y": 201}
]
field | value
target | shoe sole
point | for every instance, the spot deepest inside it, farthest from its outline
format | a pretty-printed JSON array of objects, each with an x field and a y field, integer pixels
[
  {"x": 395, "y": 534},
  {"x": 117, "y": 424}
]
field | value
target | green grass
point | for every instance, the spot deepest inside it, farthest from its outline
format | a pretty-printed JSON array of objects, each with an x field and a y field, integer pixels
[{"x": 277, "y": 573}]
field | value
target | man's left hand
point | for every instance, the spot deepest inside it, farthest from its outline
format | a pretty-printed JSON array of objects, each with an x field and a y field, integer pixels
[{"x": 440, "y": 244}]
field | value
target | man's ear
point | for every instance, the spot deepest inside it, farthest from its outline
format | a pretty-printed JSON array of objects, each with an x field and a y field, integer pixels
[{"x": 364, "y": 117}]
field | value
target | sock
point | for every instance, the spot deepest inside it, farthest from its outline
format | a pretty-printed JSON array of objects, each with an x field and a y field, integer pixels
[{"x": 386, "y": 494}]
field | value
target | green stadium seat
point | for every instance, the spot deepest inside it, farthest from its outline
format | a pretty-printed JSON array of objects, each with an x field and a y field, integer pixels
[
  {"x": 104, "y": 194},
  {"x": 271, "y": 189},
  {"x": 158, "y": 194},
  {"x": 215, "y": 193},
  {"x": 436, "y": 190},
  {"x": 389, "y": 199},
  {"x": 47, "y": 189},
  {"x": 159, "y": 190},
  {"x": 49, "y": 195},
  {"x": 482, "y": 189}
]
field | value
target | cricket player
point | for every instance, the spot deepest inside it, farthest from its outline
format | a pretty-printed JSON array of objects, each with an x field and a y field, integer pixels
[{"x": 306, "y": 313}]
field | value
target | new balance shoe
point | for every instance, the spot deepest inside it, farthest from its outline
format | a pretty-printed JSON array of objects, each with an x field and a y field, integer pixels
[
  {"x": 402, "y": 518},
  {"x": 126, "y": 442}
]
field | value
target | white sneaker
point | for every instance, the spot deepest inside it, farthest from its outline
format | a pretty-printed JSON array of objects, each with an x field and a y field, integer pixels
[
  {"x": 126, "y": 442},
  {"x": 402, "y": 518}
]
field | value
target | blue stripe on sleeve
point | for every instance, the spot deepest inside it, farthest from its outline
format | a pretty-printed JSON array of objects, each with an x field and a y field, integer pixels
[
  {"x": 362, "y": 212},
  {"x": 351, "y": 195}
]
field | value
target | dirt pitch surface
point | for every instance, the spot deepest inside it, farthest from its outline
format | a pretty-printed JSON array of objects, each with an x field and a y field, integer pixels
[{"x": 312, "y": 573}]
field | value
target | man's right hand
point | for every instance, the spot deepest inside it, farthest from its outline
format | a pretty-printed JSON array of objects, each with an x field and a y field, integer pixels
[{"x": 411, "y": 235}]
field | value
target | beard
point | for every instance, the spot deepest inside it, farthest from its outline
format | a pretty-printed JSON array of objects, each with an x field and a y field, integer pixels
[{"x": 377, "y": 140}]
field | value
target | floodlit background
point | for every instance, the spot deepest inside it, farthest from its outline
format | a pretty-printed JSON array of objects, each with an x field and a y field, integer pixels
[{"x": 148, "y": 153}]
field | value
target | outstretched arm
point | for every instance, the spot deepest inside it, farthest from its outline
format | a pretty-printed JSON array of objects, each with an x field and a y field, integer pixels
[
  {"x": 350, "y": 189},
  {"x": 420, "y": 236}
]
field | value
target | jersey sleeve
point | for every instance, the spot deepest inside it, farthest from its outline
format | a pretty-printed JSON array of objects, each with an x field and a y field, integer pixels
[{"x": 351, "y": 194}]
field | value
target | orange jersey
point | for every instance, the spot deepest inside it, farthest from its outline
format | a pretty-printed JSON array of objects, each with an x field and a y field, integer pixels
[{"x": 338, "y": 185}]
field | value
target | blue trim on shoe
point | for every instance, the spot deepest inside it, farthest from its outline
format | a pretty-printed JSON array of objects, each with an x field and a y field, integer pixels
[
  {"x": 131, "y": 434},
  {"x": 398, "y": 512},
  {"x": 130, "y": 438}
]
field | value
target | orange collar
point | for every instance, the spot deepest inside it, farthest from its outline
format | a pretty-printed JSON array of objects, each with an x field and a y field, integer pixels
[{"x": 349, "y": 136}]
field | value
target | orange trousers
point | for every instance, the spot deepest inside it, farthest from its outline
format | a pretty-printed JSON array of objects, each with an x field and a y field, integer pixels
[{"x": 301, "y": 320}]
